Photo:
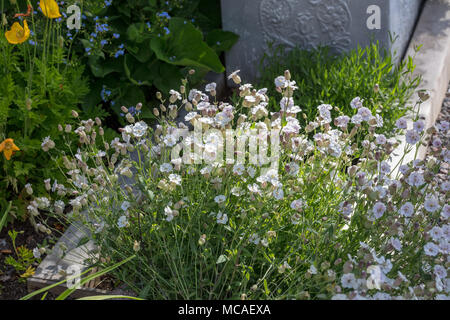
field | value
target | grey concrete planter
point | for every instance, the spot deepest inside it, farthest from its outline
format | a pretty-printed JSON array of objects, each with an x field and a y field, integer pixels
[{"x": 340, "y": 24}]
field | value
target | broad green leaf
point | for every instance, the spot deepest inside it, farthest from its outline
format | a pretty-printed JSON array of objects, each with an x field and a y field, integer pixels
[
  {"x": 137, "y": 32},
  {"x": 221, "y": 40},
  {"x": 185, "y": 46},
  {"x": 101, "y": 68}
]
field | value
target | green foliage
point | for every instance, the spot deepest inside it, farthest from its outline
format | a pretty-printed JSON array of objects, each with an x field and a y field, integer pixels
[
  {"x": 135, "y": 48},
  {"x": 41, "y": 81},
  {"x": 25, "y": 260},
  {"x": 323, "y": 78},
  {"x": 83, "y": 281}
]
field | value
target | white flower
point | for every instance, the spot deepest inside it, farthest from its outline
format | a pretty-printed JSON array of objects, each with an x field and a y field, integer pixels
[
  {"x": 407, "y": 209},
  {"x": 385, "y": 168},
  {"x": 42, "y": 203},
  {"x": 254, "y": 188},
  {"x": 36, "y": 253},
  {"x": 415, "y": 179},
  {"x": 251, "y": 171},
  {"x": 419, "y": 126},
  {"x": 166, "y": 167},
  {"x": 401, "y": 123},
  {"x": 47, "y": 144},
  {"x": 312, "y": 269},
  {"x": 298, "y": 204},
  {"x": 440, "y": 271},
  {"x": 222, "y": 218},
  {"x": 278, "y": 193},
  {"x": 445, "y": 213},
  {"x": 220, "y": 199},
  {"x": 365, "y": 113},
  {"x": 378, "y": 209},
  {"x": 342, "y": 121},
  {"x": 412, "y": 136},
  {"x": 346, "y": 208},
  {"x": 395, "y": 242},
  {"x": 170, "y": 140},
  {"x": 431, "y": 249},
  {"x": 170, "y": 214},
  {"x": 125, "y": 205},
  {"x": 175, "y": 179},
  {"x": 29, "y": 189},
  {"x": 59, "y": 206},
  {"x": 356, "y": 103},
  {"x": 238, "y": 169},
  {"x": 264, "y": 242},
  {"x": 254, "y": 238},
  {"x": 122, "y": 222},
  {"x": 210, "y": 87},
  {"x": 349, "y": 281},
  {"x": 436, "y": 233},
  {"x": 139, "y": 129},
  {"x": 431, "y": 204},
  {"x": 280, "y": 81},
  {"x": 380, "y": 139}
]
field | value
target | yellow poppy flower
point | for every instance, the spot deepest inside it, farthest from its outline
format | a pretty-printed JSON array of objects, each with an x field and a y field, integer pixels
[
  {"x": 8, "y": 147},
  {"x": 50, "y": 9},
  {"x": 17, "y": 34}
]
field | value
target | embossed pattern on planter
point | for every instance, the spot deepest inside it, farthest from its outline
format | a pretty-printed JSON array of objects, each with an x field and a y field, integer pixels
[{"x": 340, "y": 24}]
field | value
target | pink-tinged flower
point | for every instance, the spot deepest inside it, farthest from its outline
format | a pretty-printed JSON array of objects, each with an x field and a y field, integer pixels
[
  {"x": 415, "y": 179},
  {"x": 412, "y": 137},
  {"x": 402, "y": 123},
  {"x": 378, "y": 209},
  {"x": 419, "y": 126}
]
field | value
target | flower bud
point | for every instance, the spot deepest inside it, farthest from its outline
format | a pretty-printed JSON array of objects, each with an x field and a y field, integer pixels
[
  {"x": 136, "y": 246},
  {"x": 28, "y": 104},
  {"x": 61, "y": 41},
  {"x": 74, "y": 114},
  {"x": 156, "y": 112},
  {"x": 287, "y": 75},
  {"x": 139, "y": 106},
  {"x": 158, "y": 95},
  {"x": 124, "y": 109}
]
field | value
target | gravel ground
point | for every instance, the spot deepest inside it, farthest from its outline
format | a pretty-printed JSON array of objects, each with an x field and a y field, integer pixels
[{"x": 443, "y": 116}]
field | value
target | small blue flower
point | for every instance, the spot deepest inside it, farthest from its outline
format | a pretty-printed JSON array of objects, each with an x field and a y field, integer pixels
[
  {"x": 164, "y": 15},
  {"x": 116, "y": 35}
]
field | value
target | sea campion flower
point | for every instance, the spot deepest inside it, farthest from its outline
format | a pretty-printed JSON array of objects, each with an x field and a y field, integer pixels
[
  {"x": 378, "y": 209},
  {"x": 122, "y": 222}
]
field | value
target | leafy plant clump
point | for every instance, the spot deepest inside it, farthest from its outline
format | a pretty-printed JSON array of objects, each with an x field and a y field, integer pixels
[
  {"x": 313, "y": 225},
  {"x": 41, "y": 81},
  {"x": 367, "y": 73},
  {"x": 135, "y": 48}
]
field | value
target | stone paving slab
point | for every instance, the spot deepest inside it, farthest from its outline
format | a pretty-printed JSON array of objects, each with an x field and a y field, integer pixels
[{"x": 432, "y": 64}]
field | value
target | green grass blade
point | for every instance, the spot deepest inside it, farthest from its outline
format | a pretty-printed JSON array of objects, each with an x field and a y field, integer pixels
[{"x": 68, "y": 292}]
